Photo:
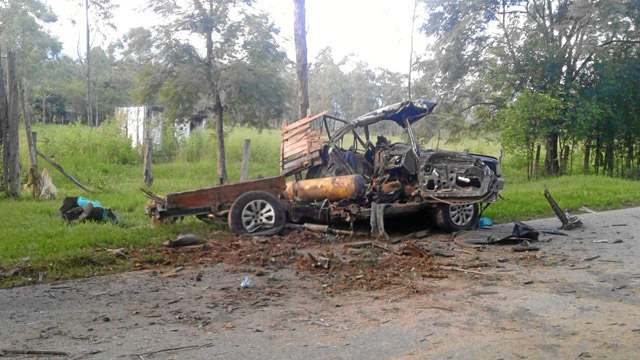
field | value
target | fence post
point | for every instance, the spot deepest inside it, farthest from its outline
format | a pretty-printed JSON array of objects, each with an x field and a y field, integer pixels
[
  {"x": 246, "y": 149},
  {"x": 147, "y": 152}
]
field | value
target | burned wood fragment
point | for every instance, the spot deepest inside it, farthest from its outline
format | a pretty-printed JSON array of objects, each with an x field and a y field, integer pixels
[
  {"x": 359, "y": 245},
  {"x": 413, "y": 250},
  {"x": 33, "y": 352},
  {"x": 525, "y": 248}
]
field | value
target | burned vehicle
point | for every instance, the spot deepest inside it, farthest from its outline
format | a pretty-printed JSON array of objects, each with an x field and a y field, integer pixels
[{"x": 366, "y": 181}]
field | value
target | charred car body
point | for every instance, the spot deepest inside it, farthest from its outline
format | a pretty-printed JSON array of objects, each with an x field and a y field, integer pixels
[{"x": 366, "y": 181}]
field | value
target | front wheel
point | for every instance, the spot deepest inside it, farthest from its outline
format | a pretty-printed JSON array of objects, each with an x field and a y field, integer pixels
[
  {"x": 456, "y": 217},
  {"x": 257, "y": 212}
]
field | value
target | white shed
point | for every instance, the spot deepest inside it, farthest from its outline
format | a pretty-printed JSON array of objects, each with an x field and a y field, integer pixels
[{"x": 133, "y": 123}]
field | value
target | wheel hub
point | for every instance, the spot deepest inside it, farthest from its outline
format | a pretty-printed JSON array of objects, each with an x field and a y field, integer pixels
[
  {"x": 461, "y": 215},
  {"x": 258, "y": 214}
]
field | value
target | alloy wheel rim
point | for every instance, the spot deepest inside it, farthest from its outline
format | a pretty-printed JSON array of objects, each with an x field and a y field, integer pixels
[
  {"x": 258, "y": 214},
  {"x": 461, "y": 215}
]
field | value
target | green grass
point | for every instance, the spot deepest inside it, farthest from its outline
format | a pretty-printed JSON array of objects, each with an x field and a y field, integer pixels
[
  {"x": 525, "y": 200},
  {"x": 101, "y": 160},
  {"x": 30, "y": 226}
]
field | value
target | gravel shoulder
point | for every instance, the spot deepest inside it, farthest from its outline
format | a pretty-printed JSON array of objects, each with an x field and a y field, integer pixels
[{"x": 560, "y": 302}]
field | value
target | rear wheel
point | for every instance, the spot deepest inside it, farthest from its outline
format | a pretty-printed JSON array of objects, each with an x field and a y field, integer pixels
[
  {"x": 257, "y": 212},
  {"x": 456, "y": 217}
]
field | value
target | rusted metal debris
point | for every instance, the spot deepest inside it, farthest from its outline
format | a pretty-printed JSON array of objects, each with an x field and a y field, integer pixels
[
  {"x": 325, "y": 229},
  {"x": 568, "y": 221}
]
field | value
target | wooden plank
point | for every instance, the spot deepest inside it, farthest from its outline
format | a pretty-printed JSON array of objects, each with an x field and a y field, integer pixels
[
  {"x": 290, "y": 150},
  {"x": 300, "y": 139},
  {"x": 304, "y": 121},
  {"x": 286, "y": 135},
  {"x": 211, "y": 197},
  {"x": 297, "y": 156},
  {"x": 314, "y": 137},
  {"x": 302, "y": 162},
  {"x": 306, "y": 151},
  {"x": 311, "y": 138},
  {"x": 304, "y": 147},
  {"x": 293, "y": 148}
]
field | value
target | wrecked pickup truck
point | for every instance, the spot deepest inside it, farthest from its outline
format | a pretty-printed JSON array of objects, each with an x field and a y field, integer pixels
[{"x": 366, "y": 181}]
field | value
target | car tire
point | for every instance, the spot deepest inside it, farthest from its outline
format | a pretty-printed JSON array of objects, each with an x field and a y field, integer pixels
[
  {"x": 257, "y": 213},
  {"x": 456, "y": 217}
]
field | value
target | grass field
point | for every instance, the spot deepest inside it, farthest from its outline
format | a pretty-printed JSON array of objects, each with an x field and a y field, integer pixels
[{"x": 100, "y": 159}]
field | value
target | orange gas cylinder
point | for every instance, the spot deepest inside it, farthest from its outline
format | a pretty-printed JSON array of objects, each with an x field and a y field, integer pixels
[{"x": 334, "y": 188}]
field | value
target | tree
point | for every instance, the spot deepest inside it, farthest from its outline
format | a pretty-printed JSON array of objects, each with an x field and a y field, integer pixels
[
  {"x": 302, "y": 70},
  {"x": 488, "y": 52},
  {"x": 11, "y": 144},
  {"x": 523, "y": 125},
  {"x": 28, "y": 46},
  {"x": 242, "y": 62},
  {"x": 104, "y": 14}
]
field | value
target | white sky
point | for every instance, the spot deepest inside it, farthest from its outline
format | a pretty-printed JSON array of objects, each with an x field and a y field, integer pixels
[{"x": 375, "y": 31}]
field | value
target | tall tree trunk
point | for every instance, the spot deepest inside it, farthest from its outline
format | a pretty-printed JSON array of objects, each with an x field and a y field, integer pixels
[
  {"x": 4, "y": 129},
  {"x": 413, "y": 27},
  {"x": 302, "y": 68},
  {"x": 26, "y": 116},
  {"x": 222, "y": 167},
  {"x": 629, "y": 159},
  {"x": 551, "y": 165},
  {"x": 608, "y": 159},
  {"x": 214, "y": 94},
  {"x": 547, "y": 158},
  {"x": 598, "y": 155},
  {"x": 555, "y": 164},
  {"x": 536, "y": 166},
  {"x": 585, "y": 165},
  {"x": 564, "y": 160},
  {"x": 44, "y": 103},
  {"x": 88, "y": 75},
  {"x": 13, "y": 138},
  {"x": 529, "y": 164}
]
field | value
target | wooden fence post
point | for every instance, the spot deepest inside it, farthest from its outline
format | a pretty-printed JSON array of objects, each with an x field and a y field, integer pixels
[
  {"x": 147, "y": 153},
  {"x": 246, "y": 150}
]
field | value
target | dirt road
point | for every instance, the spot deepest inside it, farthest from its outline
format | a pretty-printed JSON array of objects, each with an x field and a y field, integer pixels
[{"x": 578, "y": 297}]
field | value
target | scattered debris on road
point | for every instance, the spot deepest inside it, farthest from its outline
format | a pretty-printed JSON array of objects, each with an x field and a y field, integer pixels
[
  {"x": 4, "y": 352},
  {"x": 569, "y": 221},
  {"x": 183, "y": 240},
  {"x": 587, "y": 210},
  {"x": 16, "y": 268},
  {"x": 554, "y": 231}
]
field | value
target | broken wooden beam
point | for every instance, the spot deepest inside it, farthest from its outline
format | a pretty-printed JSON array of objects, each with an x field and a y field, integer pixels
[
  {"x": 33, "y": 352},
  {"x": 61, "y": 169}
]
